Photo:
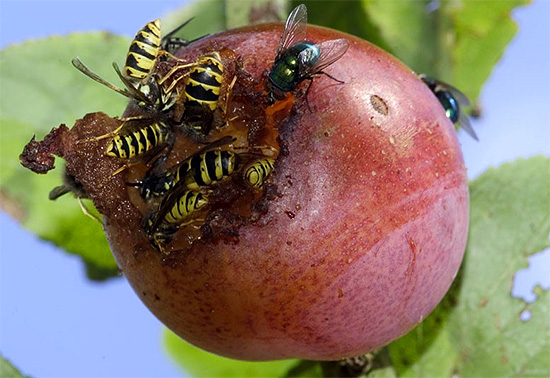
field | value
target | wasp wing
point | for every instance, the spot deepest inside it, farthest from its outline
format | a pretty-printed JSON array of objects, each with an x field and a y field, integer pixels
[
  {"x": 329, "y": 52},
  {"x": 132, "y": 124},
  {"x": 294, "y": 30},
  {"x": 217, "y": 143},
  {"x": 166, "y": 205}
]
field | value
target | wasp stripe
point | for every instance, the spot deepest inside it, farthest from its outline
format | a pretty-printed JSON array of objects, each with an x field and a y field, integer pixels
[
  {"x": 123, "y": 147},
  {"x": 144, "y": 142},
  {"x": 133, "y": 144},
  {"x": 212, "y": 160},
  {"x": 212, "y": 62},
  {"x": 141, "y": 49},
  {"x": 201, "y": 95},
  {"x": 203, "y": 76}
]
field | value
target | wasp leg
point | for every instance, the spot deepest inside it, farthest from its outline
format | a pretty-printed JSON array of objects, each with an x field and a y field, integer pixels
[
  {"x": 87, "y": 212},
  {"x": 112, "y": 133},
  {"x": 228, "y": 94},
  {"x": 174, "y": 70},
  {"x": 170, "y": 55}
]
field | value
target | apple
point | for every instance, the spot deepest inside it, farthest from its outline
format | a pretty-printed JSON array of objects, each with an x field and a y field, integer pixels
[{"x": 359, "y": 239}]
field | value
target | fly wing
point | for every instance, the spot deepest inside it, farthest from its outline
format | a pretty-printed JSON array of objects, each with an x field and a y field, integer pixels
[
  {"x": 295, "y": 29},
  {"x": 329, "y": 52},
  {"x": 458, "y": 95},
  {"x": 464, "y": 123}
]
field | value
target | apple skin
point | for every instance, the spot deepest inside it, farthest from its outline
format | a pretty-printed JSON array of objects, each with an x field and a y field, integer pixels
[{"x": 364, "y": 240}]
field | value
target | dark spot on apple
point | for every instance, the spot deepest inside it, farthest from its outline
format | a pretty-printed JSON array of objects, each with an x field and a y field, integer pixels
[{"x": 379, "y": 104}]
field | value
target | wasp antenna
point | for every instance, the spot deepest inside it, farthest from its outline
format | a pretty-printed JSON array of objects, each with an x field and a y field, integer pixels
[
  {"x": 178, "y": 28},
  {"x": 77, "y": 63}
]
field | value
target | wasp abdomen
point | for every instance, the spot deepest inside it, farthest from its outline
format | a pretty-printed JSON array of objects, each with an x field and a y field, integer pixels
[
  {"x": 139, "y": 142},
  {"x": 257, "y": 172},
  {"x": 185, "y": 206},
  {"x": 205, "y": 81},
  {"x": 143, "y": 51},
  {"x": 210, "y": 167}
]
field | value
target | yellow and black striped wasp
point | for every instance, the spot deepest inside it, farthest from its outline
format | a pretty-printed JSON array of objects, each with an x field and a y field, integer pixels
[
  {"x": 178, "y": 208},
  {"x": 139, "y": 77},
  {"x": 204, "y": 168},
  {"x": 137, "y": 138},
  {"x": 258, "y": 171},
  {"x": 298, "y": 60},
  {"x": 209, "y": 166},
  {"x": 452, "y": 100},
  {"x": 201, "y": 91}
]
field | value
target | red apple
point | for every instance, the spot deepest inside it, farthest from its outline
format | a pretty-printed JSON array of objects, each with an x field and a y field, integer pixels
[{"x": 362, "y": 242}]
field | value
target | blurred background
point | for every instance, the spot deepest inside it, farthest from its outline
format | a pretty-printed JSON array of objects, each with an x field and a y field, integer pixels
[{"x": 54, "y": 322}]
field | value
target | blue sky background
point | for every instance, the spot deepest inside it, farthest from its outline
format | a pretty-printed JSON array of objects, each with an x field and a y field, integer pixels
[{"x": 56, "y": 323}]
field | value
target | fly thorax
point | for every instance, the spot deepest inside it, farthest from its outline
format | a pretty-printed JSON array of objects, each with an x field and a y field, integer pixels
[{"x": 450, "y": 105}]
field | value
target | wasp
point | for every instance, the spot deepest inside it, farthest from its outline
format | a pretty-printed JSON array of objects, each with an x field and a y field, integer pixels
[
  {"x": 141, "y": 84},
  {"x": 135, "y": 138},
  {"x": 296, "y": 59},
  {"x": 257, "y": 172},
  {"x": 452, "y": 100},
  {"x": 202, "y": 169},
  {"x": 201, "y": 92},
  {"x": 179, "y": 208}
]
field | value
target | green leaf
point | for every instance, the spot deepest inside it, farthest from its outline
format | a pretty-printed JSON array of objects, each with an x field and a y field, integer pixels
[
  {"x": 209, "y": 17},
  {"x": 347, "y": 16},
  {"x": 426, "y": 351},
  {"x": 407, "y": 28},
  {"x": 212, "y": 16},
  {"x": 7, "y": 370},
  {"x": 459, "y": 42},
  {"x": 483, "y": 29},
  {"x": 40, "y": 71},
  {"x": 199, "y": 363},
  {"x": 510, "y": 220},
  {"x": 477, "y": 330},
  {"x": 246, "y": 12}
]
